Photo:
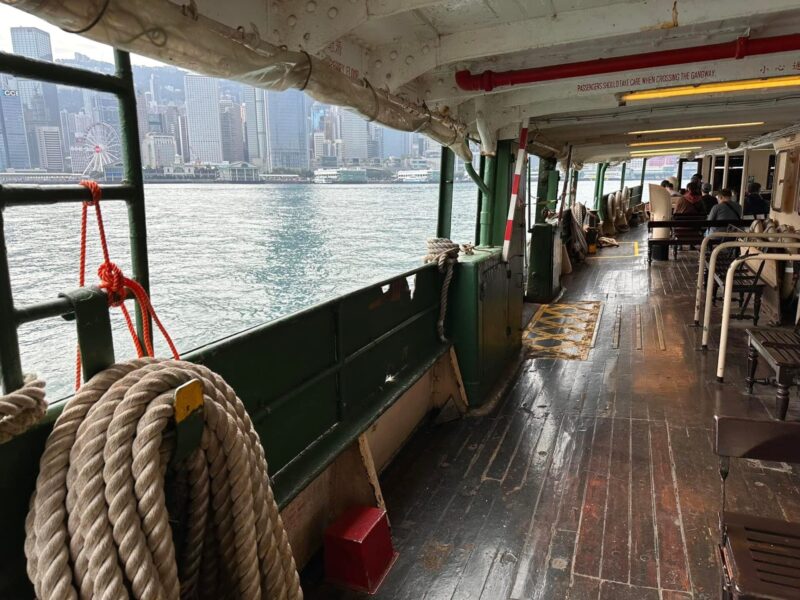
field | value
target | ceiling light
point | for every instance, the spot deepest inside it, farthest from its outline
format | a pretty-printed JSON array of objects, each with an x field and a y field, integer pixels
[
  {"x": 696, "y": 128},
  {"x": 668, "y": 142},
  {"x": 664, "y": 151},
  {"x": 714, "y": 88}
]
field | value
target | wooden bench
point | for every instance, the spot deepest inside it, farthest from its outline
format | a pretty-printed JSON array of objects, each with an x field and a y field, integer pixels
[
  {"x": 781, "y": 349},
  {"x": 691, "y": 231},
  {"x": 760, "y": 557}
]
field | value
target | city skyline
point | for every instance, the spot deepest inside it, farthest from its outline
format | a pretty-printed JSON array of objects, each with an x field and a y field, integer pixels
[{"x": 198, "y": 120}]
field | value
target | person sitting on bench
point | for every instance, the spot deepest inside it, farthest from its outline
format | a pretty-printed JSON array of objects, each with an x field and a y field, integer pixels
[
  {"x": 690, "y": 204},
  {"x": 754, "y": 204},
  {"x": 708, "y": 201},
  {"x": 727, "y": 209}
]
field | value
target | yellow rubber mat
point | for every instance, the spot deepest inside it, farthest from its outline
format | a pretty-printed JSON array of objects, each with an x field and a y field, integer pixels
[{"x": 563, "y": 330}]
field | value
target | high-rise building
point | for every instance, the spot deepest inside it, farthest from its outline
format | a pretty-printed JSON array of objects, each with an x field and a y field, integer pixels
[
  {"x": 255, "y": 116},
  {"x": 230, "y": 122},
  {"x": 67, "y": 130},
  {"x": 141, "y": 116},
  {"x": 355, "y": 137},
  {"x": 183, "y": 138},
  {"x": 48, "y": 141},
  {"x": 13, "y": 138},
  {"x": 39, "y": 99},
  {"x": 287, "y": 131},
  {"x": 158, "y": 150},
  {"x": 396, "y": 143},
  {"x": 202, "y": 115}
]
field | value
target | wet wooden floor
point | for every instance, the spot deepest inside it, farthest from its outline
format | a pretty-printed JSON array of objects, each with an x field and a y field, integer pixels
[{"x": 592, "y": 479}]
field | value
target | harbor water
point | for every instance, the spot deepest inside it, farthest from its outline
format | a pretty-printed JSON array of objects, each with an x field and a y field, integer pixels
[{"x": 224, "y": 258}]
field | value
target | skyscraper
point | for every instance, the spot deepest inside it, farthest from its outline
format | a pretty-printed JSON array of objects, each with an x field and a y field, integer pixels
[
  {"x": 287, "y": 130},
  {"x": 39, "y": 99},
  {"x": 202, "y": 115},
  {"x": 230, "y": 122},
  {"x": 13, "y": 139},
  {"x": 255, "y": 115},
  {"x": 355, "y": 137},
  {"x": 158, "y": 150},
  {"x": 48, "y": 141},
  {"x": 396, "y": 143}
]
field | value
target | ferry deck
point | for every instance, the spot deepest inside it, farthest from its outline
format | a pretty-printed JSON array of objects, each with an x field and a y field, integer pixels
[{"x": 592, "y": 479}]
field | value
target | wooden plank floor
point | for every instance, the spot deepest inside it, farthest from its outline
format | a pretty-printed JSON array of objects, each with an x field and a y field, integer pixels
[{"x": 592, "y": 479}]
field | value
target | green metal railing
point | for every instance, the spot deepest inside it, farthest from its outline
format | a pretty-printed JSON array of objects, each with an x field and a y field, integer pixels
[{"x": 131, "y": 192}]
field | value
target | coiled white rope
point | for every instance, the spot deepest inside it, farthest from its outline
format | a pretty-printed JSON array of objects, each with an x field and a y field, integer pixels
[
  {"x": 445, "y": 253},
  {"x": 99, "y": 525},
  {"x": 21, "y": 409}
]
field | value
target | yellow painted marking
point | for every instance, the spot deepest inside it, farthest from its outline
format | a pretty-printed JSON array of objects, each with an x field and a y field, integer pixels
[
  {"x": 616, "y": 256},
  {"x": 188, "y": 398}
]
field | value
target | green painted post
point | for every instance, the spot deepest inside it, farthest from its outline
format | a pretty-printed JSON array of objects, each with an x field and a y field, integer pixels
[
  {"x": 10, "y": 362},
  {"x": 137, "y": 223},
  {"x": 597, "y": 183},
  {"x": 644, "y": 168},
  {"x": 622, "y": 182},
  {"x": 487, "y": 203},
  {"x": 501, "y": 191},
  {"x": 546, "y": 187},
  {"x": 446, "y": 176}
]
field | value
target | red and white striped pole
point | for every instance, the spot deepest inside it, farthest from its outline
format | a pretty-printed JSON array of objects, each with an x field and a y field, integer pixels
[{"x": 519, "y": 166}]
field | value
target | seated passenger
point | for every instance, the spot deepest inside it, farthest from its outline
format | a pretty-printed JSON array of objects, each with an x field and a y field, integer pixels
[
  {"x": 754, "y": 204},
  {"x": 727, "y": 209},
  {"x": 708, "y": 201},
  {"x": 689, "y": 203}
]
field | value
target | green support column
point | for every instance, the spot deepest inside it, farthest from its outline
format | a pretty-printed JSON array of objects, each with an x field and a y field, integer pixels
[
  {"x": 487, "y": 202},
  {"x": 546, "y": 187},
  {"x": 644, "y": 168},
  {"x": 599, "y": 184},
  {"x": 446, "y": 175},
  {"x": 622, "y": 182},
  {"x": 501, "y": 192}
]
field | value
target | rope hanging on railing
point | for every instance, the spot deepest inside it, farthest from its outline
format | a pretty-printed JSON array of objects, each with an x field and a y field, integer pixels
[
  {"x": 116, "y": 285},
  {"x": 21, "y": 409},
  {"x": 101, "y": 518},
  {"x": 445, "y": 253}
]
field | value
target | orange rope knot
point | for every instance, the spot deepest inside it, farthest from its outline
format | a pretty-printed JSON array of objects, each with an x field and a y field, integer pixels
[{"x": 116, "y": 285}]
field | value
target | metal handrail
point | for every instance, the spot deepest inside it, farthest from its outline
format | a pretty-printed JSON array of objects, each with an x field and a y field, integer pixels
[
  {"x": 726, "y": 305},
  {"x": 712, "y": 266}
]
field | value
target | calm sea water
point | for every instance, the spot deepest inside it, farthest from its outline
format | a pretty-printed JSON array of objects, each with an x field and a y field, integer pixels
[{"x": 227, "y": 257}]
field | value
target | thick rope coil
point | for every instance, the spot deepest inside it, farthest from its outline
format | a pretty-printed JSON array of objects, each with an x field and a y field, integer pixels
[
  {"x": 101, "y": 519},
  {"x": 21, "y": 409},
  {"x": 445, "y": 253}
]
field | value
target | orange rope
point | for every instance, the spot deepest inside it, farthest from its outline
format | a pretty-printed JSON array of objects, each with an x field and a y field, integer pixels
[{"x": 116, "y": 285}]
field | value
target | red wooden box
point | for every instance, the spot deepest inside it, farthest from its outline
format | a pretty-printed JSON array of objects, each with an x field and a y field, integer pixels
[{"x": 358, "y": 549}]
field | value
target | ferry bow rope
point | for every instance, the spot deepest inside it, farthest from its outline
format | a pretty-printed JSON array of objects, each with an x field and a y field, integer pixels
[
  {"x": 99, "y": 525},
  {"x": 445, "y": 253}
]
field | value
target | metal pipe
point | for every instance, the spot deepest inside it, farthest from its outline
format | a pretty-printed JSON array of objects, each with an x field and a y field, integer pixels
[
  {"x": 726, "y": 305},
  {"x": 28, "y": 195},
  {"x": 444, "y": 216},
  {"x": 622, "y": 178},
  {"x": 40, "y": 70},
  {"x": 641, "y": 181},
  {"x": 712, "y": 266},
  {"x": 722, "y": 235},
  {"x": 43, "y": 310},
  {"x": 736, "y": 49},
  {"x": 477, "y": 179}
]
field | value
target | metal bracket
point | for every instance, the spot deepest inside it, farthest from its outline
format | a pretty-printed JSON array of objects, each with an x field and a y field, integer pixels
[
  {"x": 94, "y": 329},
  {"x": 189, "y": 420}
]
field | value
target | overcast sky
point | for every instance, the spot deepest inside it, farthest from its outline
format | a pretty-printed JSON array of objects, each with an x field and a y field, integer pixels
[{"x": 65, "y": 45}]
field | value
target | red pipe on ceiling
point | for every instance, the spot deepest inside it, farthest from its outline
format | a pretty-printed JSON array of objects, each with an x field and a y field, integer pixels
[{"x": 739, "y": 48}]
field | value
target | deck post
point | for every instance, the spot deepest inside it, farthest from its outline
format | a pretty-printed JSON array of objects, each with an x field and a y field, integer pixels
[
  {"x": 725, "y": 171},
  {"x": 446, "y": 175}
]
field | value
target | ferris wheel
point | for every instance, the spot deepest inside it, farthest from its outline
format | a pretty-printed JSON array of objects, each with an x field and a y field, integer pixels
[{"x": 102, "y": 146}]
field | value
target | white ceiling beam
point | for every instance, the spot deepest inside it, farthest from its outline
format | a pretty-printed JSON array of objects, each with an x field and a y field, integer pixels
[
  {"x": 311, "y": 25},
  {"x": 602, "y": 24}
]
